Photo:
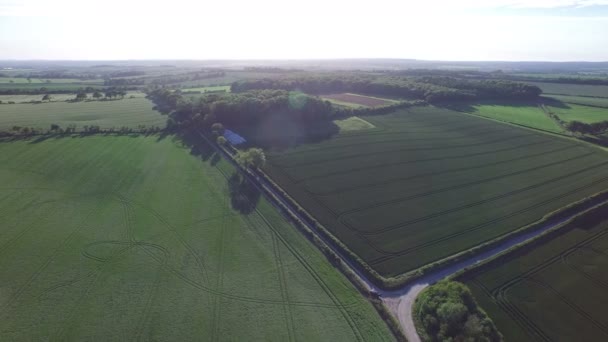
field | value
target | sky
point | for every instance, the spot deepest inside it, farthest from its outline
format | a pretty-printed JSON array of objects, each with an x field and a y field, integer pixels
[{"x": 466, "y": 30}]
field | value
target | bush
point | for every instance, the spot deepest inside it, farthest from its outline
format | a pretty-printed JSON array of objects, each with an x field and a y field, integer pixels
[{"x": 447, "y": 311}]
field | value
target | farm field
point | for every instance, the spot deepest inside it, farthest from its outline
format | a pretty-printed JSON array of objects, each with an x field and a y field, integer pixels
[
  {"x": 572, "y": 89},
  {"x": 526, "y": 115},
  {"x": 67, "y": 87},
  {"x": 554, "y": 291},
  {"x": 427, "y": 183},
  {"x": 355, "y": 100},
  {"x": 583, "y": 100},
  {"x": 106, "y": 114},
  {"x": 55, "y": 97},
  {"x": 581, "y": 113},
  {"x": 134, "y": 238},
  {"x": 353, "y": 123},
  {"x": 223, "y": 88},
  {"x": 19, "y": 80}
]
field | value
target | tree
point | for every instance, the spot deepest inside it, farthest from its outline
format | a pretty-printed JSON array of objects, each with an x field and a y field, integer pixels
[
  {"x": 221, "y": 140},
  {"x": 217, "y": 128},
  {"x": 81, "y": 96},
  {"x": 253, "y": 157},
  {"x": 97, "y": 95},
  {"x": 46, "y": 97}
]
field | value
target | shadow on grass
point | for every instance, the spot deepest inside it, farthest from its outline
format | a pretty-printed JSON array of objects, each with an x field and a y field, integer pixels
[
  {"x": 469, "y": 107},
  {"x": 244, "y": 196},
  {"x": 38, "y": 138}
]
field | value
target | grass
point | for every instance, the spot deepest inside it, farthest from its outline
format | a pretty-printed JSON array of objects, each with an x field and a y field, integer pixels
[
  {"x": 526, "y": 115},
  {"x": 122, "y": 238},
  {"x": 357, "y": 100},
  {"x": 581, "y": 113},
  {"x": 354, "y": 123},
  {"x": 572, "y": 89},
  {"x": 55, "y": 97},
  {"x": 106, "y": 114},
  {"x": 531, "y": 293},
  {"x": 222, "y": 88},
  {"x": 582, "y": 100},
  {"x": 427, "y": 183},
  {"x": 38, "y": 81}
]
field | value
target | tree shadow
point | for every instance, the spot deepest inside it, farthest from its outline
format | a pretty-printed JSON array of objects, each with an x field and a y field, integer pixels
[
  {"x": 244, "y": 196},
  {"x": 198, "y": 147},
  {"x": 215, "y": 158},
  {"x": 280, "y": 133},
  {"x": 469, "y": 107}
]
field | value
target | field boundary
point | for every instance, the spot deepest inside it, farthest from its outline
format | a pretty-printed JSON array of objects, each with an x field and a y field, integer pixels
[
  {"x": 601, "y": 200},
  {"x": 297, "y": 216}
]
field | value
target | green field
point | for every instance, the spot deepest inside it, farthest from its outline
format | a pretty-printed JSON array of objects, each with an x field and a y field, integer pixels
[
  {"x": 134, "y": 238},
  {"x": 106, "y": 114},
  {"x": 526, "y": 115},
  {"x": 556, "y": 291},
  {"x": 428, "y": 182},
  {"x": 580, "y": 113},
  {"x": 354, "y": 123},
  {"x": 582, "y": 100},
  {"x": 55, "y": 97},
  {"x": 572, "y": 89},
  {"x": 222, "y": 88},
  {"x": 56, "y": 87},
  {"x": 40, "y": 81}
]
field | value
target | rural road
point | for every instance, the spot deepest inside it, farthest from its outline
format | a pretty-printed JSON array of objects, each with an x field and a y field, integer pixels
[{"x": 400, "y": 302}]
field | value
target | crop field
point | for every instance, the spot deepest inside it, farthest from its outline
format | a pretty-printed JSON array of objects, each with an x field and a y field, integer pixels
[
  {"x": 106, "y": 114},
  {"x": 222, "y": 88},
  {"x": 135, "y": 238},
  {"x": 526, "y": 115},
  {"x": 16, "y": 81},
  {"x": 572, "y": 89},
  {"x": 581, "y": 113},
  {"x": 355, "y": 100},
  {"x": 353, "y": 123},
  {"x": 67, "y": 87},
  {"x": 426, "y": 183},
  {"x": 55, "y": 97},
  {"x": 583, "y": 100},
  {"x": 556, "y": 291}
]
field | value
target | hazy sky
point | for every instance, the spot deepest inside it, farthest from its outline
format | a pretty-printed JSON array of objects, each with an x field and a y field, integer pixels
[{"x": 557, "y": 30}]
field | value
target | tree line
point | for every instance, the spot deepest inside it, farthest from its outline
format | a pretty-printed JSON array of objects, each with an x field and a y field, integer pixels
[
  {"x": 256, "y": 114},
  {"x": 595, "y": 128},
  {"x": 433, "y": 89}
]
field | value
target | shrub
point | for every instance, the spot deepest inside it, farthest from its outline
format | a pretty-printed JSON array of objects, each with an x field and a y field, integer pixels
[{"x": 447, "y": 311}]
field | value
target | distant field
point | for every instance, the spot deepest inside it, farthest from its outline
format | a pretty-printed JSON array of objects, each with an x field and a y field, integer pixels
[
  {"x": 526, "y": 115},
  {"x": 68, "y": 87},
  {"x": 581, "y": 113},
  {"x": 428, "y": 182},
  {"x": 225, "y": 88},
  {"x": 553, "y": 292},
  {"x": 55, "y": 97},
  {"x": 572, "y": 89},
  {"x": 39, "y": 81},
  {"x": 354, "y": 123},
  {"x": 106, "y": 114},
  {"x": 124, "y": 239},
  {"x": 583, "y": 100},
  {"x": 354, "y": 100}
]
